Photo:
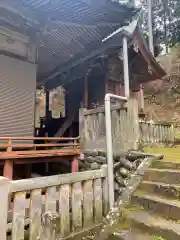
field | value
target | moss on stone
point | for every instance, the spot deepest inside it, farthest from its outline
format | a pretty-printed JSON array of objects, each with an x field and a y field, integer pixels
[
  {"x": 134, "y": 208},
  {"x": 170, "y": 154},
  {"x": 157, "y": 238}
]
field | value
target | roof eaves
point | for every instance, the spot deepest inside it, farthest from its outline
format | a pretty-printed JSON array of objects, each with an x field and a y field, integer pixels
[{"x": 125, "y": 30}]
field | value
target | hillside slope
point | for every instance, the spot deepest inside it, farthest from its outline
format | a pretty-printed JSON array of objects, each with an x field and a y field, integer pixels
[{"x": 162, "y": 97}]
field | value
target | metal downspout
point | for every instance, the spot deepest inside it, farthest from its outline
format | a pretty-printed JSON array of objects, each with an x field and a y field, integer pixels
[{"x": 109, "y": 146}]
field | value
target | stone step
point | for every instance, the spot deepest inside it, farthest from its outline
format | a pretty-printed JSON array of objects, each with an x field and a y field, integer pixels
[
  {"x": 169, "y": 191},
  {"x": 130, "y": 235},
  {"x": 168, "y": 176},
  {"x": 166, "y": 165},
  {"x": 169, "y": 209},
  {"x": 153, "y": 225}
]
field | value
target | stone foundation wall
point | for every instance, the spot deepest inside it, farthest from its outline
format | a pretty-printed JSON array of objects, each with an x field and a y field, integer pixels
[{"x": 125, "y": 164}]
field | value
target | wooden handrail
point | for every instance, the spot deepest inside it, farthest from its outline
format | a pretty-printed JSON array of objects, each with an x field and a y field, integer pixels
[
  {"x": 41, "y": 138},
  {"x": 26, "y": 145}
]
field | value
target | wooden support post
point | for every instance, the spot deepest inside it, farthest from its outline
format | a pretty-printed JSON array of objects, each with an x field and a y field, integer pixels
[
  {"x": 46, "y": 168},
  {"x": 47, "y": 102},
  {"x": 86, "y": 91},
  {"x": 66, "y": 102},
  {"x": 141, "y": 97},
  {"x": 75, "y": 165},
  {"x": 28, "y": 170},
  {"x": 138, "y": 94},
  {"x": 47, "y": 116},
  {"x": 121, "y": 90},
  {"x": 106, "y": 84},
  {"x": 8, "y": 165},
  {"x": 82, "y": 129}
]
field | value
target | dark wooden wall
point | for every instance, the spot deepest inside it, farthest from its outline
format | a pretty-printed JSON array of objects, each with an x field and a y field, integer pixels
[{"x": 96, "y": 90}]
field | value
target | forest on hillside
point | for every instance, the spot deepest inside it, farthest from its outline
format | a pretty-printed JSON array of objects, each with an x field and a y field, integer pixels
[{"x": 162, "y": 97}]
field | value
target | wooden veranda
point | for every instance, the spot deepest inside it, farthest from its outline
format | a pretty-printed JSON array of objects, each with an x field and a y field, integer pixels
[{"x": 45, "y": 150}]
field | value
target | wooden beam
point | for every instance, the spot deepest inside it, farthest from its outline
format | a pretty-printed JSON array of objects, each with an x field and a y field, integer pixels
[{"x": 74, "y": 62}]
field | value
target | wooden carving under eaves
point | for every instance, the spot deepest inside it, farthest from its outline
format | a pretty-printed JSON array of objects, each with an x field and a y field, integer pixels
[
  {"x": 57, "y": 102},
  {"x": 17, "y": 44},
  {"x": 114, "y": 67},
  {"x": 40, "y": 106}
]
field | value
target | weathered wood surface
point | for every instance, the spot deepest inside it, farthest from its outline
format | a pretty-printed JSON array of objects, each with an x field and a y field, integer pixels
[
  {"x": 125, "y": 127},
  {"x": 64, "y": 206},
  {"x": 35, "y": 214},
  {"x": 88, "y": 203},
  {"x": 98, "y": 212},
  {"x": 105, "y": 196},
  {"x": 156, "y": 133},
  {"x": 42, "y": 182},
  {"x": 77, "y": 198},
  {"x": 55, "y": 207},
  {"x": 18, "y": 216}
]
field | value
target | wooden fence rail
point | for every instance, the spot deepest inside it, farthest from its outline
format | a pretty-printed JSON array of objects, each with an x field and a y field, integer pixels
[
  {"x": 36, "y": 142},
  {"x": 54, "y": 207},
  {"x": 156, "y": 133},
  {"x": 125, "y": 127}
]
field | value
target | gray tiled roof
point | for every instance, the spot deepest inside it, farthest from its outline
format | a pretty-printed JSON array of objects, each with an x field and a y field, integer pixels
[{"x": 71, "y": 29}]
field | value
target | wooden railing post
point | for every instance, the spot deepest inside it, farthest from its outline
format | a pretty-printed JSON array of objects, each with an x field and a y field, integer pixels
[
  {"x": 75, "y": 165},
  {"x": 8, "y": 165},
  {"x": 172, "y": 134},
  {"x": 82, "y": 128},
  {"x": 4, "y": 191}
]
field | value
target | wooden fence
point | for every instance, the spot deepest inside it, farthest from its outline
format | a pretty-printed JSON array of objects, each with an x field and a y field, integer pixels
[
  {"x": 54, "y": 207},
  {"x": 125, "y": 127},
  {"x": 156, "y": 133}
]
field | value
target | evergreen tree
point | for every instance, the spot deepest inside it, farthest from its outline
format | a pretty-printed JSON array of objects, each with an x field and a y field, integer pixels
[{"x": 166, "y": 21}]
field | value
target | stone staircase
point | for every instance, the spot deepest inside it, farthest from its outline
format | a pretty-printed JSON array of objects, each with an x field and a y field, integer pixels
[{"x": 154, "y": 210}]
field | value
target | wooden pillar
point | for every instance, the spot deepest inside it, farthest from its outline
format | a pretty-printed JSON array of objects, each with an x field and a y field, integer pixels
[
  {"x": 75, "y": 165},
  {"x": 27, "y": 170},
  {"x": 86, "y": 91},
  {"x": 66, "y": 102},
  {"x": 106, "y": 84},
  {"x": 141, "y": 97},
  {"x": 121, "y": 90},
  {"x": 47, "y": 104},
  {"x": 8, "y": 165}
]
